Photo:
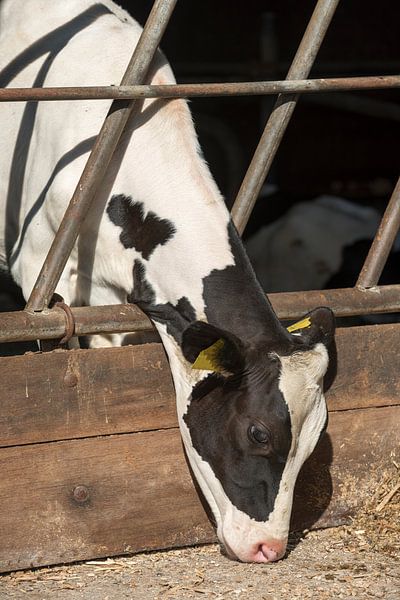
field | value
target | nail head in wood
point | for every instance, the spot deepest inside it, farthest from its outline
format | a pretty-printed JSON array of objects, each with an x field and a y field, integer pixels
[{"x": 80, "y": 494}]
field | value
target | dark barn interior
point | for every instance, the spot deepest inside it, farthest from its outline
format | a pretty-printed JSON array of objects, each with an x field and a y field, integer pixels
[
  {"x": 342, "y": 144},
  {"x": 337, "y": 143}
]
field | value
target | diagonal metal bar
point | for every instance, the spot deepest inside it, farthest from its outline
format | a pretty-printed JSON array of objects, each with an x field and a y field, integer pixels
[
  {"x": 281, "y": 114},
  {"x": 382, "y": 244},
  {"x": 99, "y": 158}
]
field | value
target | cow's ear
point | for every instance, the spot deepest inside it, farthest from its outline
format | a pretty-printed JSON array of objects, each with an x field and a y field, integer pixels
[
  {"x": 212, "y": 349},
  {"x": 316, "y": 327}
]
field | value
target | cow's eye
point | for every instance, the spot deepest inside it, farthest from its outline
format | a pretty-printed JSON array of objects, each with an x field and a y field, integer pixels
[{"x": 258, "y": 434}]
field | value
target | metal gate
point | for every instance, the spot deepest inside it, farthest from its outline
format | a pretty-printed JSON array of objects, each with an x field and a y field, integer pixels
[{"x": 39, "y": 322}]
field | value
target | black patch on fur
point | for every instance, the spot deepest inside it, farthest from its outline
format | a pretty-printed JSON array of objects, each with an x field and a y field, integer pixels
[
  {"x": 206, "y": 386},
  {"x": 177, "y": 317},
  {"x": 143, "y": 294},
  {"x": 234, "y": 300},
  {"x": 144, "y": 233},
  {"x": 219, "y": 416}
]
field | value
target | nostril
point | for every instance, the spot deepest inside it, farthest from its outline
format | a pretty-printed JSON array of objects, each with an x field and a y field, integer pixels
[
  {"x": 272, "y": 550},
  {"x": 270, "y": 554}
]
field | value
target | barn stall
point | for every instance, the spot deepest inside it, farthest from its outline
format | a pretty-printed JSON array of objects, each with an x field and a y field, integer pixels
[{"x": 91, "y": 455}]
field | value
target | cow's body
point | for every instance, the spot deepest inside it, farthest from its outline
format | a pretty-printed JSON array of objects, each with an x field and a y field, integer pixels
[{"x": 160, "y": 235}]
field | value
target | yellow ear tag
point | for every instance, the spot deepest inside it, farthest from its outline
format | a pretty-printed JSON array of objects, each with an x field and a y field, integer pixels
[
  {"x": 303, "y": 324},
  {"x": 207, "y": 359}
]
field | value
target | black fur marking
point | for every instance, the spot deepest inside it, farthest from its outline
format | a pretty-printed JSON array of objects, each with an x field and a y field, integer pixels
[
  {"x": 144, "y": 233},
  {"x": 199, "y": 336},
  {"x": 235, "y": 301},
  {"x": 219, "y": 416},
  {"x": 177, "y": 317},
  {"x": 206, "y": 386}
]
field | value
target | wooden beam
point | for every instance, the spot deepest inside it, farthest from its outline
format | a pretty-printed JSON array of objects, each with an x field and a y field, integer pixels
[
  {"x": 75, "y": 500},
  {"x": 73, "y": 394},
  {"x": 68, "y": 494},
  {"x": 139, "y": 496},
  {"x": 80, "y": 393},
  {"x": 365, "y": 371}
]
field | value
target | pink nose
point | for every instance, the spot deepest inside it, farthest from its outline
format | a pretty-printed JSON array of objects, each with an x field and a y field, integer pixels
[{"x": 270, "y": 551}]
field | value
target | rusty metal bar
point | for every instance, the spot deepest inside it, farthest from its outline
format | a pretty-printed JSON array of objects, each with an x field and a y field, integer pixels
[
  {"x": 195, "y": 90},
  {"x": 345, "y": 302},
  {"x": 382, "y": 244},
  {"x": 51, "y": 323},
  {"x": 281, "y": 114},
  {"x": 99, "y": 158}
]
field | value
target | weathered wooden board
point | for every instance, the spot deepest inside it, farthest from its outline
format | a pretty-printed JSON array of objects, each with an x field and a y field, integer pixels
[
  {"x": 67, "y": 395},
  {"x": 81, "y": 393},
  {"x": 346, "y": 466},
  {"x": 368, "y": 367},
  {"x": 140, "y": 494}
]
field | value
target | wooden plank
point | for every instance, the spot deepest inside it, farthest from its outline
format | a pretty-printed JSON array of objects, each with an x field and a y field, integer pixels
[
  {"x": 70, "y": 394},
  {"x": 367, "y": 367},
  {"x": 66, "y": 395},
  {"x": 141, "y": 495},
  {"x": 346, "y": 465}
]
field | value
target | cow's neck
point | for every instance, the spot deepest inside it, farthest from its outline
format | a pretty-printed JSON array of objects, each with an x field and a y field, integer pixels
[
  {"x": 236, "y": 302},
  {"x": 227, "y": 296}
]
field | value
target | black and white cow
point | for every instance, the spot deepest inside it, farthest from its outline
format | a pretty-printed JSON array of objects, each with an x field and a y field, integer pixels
[{"x": 252, "y": 408}]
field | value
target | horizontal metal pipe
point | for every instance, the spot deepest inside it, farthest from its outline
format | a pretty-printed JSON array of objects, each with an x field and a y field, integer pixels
[
  {"x": 345, "y": 302},
  {"x": 192, "y": 90},
  {"x": 51, "y": 323}
]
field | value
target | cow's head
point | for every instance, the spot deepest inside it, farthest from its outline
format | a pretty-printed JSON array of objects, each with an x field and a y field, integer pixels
[{"x": 251, "y": 423}]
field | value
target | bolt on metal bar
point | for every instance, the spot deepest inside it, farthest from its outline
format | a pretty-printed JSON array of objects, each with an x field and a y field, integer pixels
[
  {"x": 91, "y": 320},
  {"x": 99, "y": 159},
  {"x": 198, "y": 90},
  {"x": 382, "y": 243},
  {"x": 281, "y": 114}
]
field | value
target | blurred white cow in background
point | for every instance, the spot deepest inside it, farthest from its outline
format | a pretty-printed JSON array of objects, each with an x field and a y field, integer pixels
[{"x": 304, "y": 248}]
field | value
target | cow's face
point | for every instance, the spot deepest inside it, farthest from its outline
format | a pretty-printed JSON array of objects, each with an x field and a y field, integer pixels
[{"x": 251, "y": 423}]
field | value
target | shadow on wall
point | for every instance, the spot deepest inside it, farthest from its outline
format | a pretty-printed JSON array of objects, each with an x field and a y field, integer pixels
[{"x": 314, "y": 488}]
